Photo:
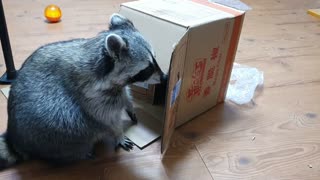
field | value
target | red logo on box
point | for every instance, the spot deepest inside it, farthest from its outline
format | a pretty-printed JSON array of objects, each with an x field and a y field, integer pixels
[
  {"x": 214, "y": 54},
  {"x": 210, "y": 73},
  {"x": 197, "y": 78}
]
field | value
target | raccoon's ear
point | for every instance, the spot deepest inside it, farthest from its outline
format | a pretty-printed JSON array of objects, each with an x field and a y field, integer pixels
[
  {"x": 114, "y": 44},
  {"x": 118, "y": 21}
]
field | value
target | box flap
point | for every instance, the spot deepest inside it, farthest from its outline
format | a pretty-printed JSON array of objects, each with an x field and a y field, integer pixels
[
  {"x": 173, "y": 91},
  {"x": 182, "y": 12},
  {"x": 162, "y": 35},
  {"x": 148, "y": 128},
  {"x": 210, "y": 54}
]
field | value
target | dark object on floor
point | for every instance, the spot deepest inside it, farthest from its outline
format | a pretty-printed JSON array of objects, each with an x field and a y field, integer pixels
[{"x": 11, "y": 73}]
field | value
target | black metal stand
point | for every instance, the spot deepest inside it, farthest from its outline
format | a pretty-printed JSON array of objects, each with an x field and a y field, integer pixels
[{"x": 11, "y": 72}]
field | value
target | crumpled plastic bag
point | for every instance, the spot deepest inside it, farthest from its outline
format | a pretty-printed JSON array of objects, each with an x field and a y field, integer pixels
[{"x": 243, "y": 84}]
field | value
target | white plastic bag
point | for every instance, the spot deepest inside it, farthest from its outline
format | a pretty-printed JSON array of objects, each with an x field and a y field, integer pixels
[{"x": 244, "y": 81}]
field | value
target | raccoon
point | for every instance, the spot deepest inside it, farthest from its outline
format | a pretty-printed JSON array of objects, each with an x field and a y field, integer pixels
[{"x": 70, "y": 95}]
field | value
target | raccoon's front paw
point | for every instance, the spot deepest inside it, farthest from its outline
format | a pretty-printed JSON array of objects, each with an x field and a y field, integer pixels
[
  {"x": 126, "y": 144},
  {"x": 133, "y": 117}
]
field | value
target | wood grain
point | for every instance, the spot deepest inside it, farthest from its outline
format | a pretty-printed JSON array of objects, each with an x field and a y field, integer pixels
[
  {"x": 274, "y": 137},
  {"x": 287, "y": 140}
]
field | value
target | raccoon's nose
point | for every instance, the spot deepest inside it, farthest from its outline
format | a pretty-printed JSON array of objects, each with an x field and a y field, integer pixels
[
  {"x": 163, "y": 78},
  {"x": 155, "y": 65}
]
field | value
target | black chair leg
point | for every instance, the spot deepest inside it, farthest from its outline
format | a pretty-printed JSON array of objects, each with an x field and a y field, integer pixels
[{"x": 11, "y": 72}]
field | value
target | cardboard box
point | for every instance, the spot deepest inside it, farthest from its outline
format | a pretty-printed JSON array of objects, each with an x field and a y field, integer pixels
[{"x": 195, "y": 43}]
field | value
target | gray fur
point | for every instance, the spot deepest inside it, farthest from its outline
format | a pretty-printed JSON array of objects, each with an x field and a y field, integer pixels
[
  {"x": 7, "y": 157},
  {"x": 70, "y": 95}
]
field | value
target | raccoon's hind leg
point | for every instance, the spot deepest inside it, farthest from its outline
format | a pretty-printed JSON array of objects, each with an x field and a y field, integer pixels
[
  {"x": 69, "y": 153},
  {"x": 65, "y": 161}
]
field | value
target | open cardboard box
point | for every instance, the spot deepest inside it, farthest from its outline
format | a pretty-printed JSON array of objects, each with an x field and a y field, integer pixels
[{"x": 195, "y": 43}]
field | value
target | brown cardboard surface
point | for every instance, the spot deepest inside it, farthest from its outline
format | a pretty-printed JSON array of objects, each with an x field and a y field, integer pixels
[
  {"x": 183, "y": 12},
  {"x": 232, "y": 49},
  {"x": 172, "y": 99},
  {"x": 150, "y": 122},
  {"x": 203, "y": 72}
]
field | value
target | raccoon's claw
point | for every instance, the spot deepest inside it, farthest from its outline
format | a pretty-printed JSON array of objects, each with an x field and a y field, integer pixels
[{"x": 126, "y": 144}]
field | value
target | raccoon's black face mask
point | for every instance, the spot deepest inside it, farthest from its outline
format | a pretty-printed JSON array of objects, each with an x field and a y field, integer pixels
[
  {"x": 143, "y": 75},
  {"x": 152, "y": 69},
  {"x": 131, "y": 53}
]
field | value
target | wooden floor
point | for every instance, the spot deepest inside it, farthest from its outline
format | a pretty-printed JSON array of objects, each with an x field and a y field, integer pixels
[{"x": 277, "y": 137}]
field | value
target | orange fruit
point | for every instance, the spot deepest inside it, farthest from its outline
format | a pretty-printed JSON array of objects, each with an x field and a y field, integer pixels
[{"x": 53, "y": 13}]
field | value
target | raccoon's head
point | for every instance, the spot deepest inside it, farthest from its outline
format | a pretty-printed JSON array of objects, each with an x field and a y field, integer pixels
[{"x": 133, "y": 57}]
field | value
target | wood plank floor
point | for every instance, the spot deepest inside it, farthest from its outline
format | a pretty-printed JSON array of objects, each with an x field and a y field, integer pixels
[{"x": 278, "y": 37}]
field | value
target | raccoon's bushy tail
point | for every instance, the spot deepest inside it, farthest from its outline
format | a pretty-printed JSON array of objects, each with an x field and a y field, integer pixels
[{"x": 7, "y": 157}]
